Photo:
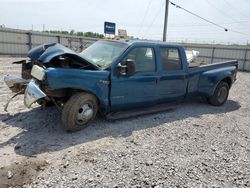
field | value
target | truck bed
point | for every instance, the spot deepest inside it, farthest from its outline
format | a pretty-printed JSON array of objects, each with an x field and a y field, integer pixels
[{"x": 212, "y": 66}]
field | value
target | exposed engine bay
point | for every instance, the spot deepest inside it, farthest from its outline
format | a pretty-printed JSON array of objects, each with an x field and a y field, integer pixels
[
  {"x": 62, "y": 61},
  {"x": 69, "y": 61},
  {"x": 54, "y": 55}
]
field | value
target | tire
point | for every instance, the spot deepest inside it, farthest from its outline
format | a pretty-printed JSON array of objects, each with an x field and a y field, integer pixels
[
  {"x": 220, "y": 94},
  {"x": 78, "y": 111}
]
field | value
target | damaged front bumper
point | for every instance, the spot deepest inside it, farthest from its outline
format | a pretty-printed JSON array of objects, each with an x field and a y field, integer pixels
[
  {"x": 29, "y": 88},
  {"x": 15, "y": 83},
  {"x": 32, "y": 94}
]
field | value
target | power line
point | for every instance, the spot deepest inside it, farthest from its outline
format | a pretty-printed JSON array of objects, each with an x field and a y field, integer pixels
[
  {"x": 239, "y": 32},
  {"x": 157, "y": 14},
  {"x": 228, "y": 16},
  {"x": 191, "y": 33},
  {"x": 178, "y": 6},
  {"x": 203, "y": 25},
  {"x": 195, "y": 24},
  {"x": 220, "y": 11},
  {"x": 235, "y": 8},
  {"x": 149, "y": 3},
  {"x": 213, "y": 23},
  {"x": 186, "y": 24}
]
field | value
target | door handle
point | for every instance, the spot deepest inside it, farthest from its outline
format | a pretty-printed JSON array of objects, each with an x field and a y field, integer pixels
[{"x": 157, "y": 80}]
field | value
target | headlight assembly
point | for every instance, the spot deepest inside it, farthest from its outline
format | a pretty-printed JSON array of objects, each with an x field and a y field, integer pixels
[{"x": 38, "y": 72}]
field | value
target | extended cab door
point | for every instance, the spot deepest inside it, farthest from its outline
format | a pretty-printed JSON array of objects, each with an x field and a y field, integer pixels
[
  {"x": 139, "y": 89},
  {"x": 173, "y": 76}
]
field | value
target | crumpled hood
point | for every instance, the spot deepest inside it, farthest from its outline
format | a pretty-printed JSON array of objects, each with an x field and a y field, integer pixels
[{"x": 46, "y": 52}]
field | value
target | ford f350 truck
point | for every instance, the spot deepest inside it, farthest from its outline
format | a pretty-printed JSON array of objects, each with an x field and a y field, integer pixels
[{"x": 115, "y": 78}]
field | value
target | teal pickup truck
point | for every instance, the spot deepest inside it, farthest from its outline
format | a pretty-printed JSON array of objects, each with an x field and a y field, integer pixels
[{"x": 117, "y": 79}]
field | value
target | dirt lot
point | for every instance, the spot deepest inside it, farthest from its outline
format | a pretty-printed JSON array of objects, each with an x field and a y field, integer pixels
[{"x": 196, "y": 145}]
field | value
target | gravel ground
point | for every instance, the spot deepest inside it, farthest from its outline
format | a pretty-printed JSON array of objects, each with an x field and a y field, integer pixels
[{"x": 195, "y": 145}]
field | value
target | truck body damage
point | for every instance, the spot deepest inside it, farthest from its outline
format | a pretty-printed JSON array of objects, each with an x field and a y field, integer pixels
[{"x": 44, "y": 56}]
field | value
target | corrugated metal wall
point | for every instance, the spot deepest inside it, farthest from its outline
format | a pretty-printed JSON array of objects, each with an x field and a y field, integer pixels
[
  {"x": 215, "y": 54},
  {"x": 19, "y": 42}
]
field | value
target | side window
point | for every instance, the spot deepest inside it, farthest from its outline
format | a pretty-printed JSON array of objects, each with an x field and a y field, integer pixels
[
  {"x": 170, "y": 59},
  {"x": 144, "y": 59}
]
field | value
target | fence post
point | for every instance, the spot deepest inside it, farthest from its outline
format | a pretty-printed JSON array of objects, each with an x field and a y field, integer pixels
[
  {"x": 245, "y": 60},
  {"x": 29, "y": 40},
  {"x": 212, "y": 57},
  {"x": 69, "y": 42},
  {"x": 81, "y": 44},
  {"x": 59, "y": 39}
]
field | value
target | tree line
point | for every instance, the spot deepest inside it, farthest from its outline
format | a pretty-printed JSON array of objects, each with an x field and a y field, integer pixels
[{"x": 77, "y": 33}]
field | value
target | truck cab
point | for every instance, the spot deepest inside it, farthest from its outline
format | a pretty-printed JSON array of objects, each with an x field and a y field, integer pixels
[{"x": 158, "y": 69}]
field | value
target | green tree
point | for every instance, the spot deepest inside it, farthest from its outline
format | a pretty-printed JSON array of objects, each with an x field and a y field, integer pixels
[
  {"x": 78, "y": 33},
  {"x": 72, "y": 32}
]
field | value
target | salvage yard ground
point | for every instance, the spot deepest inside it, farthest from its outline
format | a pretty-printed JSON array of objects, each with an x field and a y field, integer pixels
[{"x": 195, "y": 145}]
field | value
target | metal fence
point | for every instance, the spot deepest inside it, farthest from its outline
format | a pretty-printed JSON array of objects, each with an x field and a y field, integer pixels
[
  {"x": 217, "y": 53},
  {"x": 15, "y": 42}
]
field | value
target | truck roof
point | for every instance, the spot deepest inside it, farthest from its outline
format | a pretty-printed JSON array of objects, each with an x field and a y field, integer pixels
[
  {"x": 137, "y": 42},
  {"x": 151, "y": 42}
]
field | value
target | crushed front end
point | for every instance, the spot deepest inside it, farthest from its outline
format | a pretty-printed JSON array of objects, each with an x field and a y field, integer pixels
[
  {"x": 29, "y": 87},
  {"x": 33, "y": 83}
]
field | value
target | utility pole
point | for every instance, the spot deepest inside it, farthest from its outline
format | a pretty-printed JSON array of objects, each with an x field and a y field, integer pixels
[{"x": 165, "y": 21}]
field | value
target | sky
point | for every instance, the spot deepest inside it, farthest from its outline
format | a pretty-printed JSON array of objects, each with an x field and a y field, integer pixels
[{"x": 141, "y": 18}]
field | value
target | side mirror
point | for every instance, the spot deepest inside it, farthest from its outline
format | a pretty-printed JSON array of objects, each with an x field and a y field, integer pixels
[{"x": 126, "y": 68}]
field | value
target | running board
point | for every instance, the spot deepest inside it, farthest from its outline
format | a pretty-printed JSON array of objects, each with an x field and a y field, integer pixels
[{"x": 141, "y": 111}]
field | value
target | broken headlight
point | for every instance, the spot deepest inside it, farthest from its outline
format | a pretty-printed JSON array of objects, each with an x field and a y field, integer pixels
[{"x": 38, "y": 72}]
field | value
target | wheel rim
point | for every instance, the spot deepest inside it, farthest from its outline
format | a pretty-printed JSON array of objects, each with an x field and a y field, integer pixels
[
  {"x": 85, "y": 113},
  {"x": 222, "y": 94}
]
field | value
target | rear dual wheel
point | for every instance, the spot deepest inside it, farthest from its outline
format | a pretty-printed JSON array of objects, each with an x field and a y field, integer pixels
[
  {"x": 220, "y": 94},
  {"x": 79, "y": 110}
]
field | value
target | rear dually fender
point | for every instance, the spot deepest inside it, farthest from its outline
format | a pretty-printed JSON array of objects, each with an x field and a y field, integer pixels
[{"x": 210, "y": 79}]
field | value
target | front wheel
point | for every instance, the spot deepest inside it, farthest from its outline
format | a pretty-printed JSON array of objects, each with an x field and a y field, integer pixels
[
  {"x": 220, "y": 94},
  {"x": 79, "y": 110}
]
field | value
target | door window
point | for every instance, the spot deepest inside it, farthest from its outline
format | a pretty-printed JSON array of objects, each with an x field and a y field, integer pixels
[
  {"x": 143, "y": 58},
  {"x": 170, "y": 58}
]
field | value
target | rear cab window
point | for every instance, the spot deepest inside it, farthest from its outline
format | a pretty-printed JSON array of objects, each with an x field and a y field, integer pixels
[{"x": 170, "y": 58}]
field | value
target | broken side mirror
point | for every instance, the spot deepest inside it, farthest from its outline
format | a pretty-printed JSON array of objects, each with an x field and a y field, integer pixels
[{"x": 126, "y": 68}]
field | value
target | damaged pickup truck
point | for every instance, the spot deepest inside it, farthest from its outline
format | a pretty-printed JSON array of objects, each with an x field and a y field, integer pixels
[{"x": 117, "y": 79}]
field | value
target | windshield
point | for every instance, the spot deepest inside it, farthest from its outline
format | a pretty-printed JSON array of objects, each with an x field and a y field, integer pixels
[{"x": 103, "y": 53}]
